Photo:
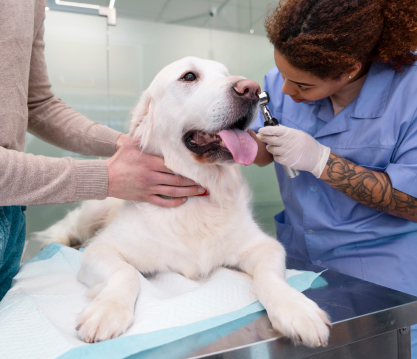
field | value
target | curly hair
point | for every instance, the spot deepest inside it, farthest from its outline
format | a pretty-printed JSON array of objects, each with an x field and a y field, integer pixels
[{"x": 326, "y": 37}]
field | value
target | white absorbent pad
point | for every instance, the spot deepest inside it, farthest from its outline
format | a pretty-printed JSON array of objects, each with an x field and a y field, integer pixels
[{"x": 38, "y": 314}]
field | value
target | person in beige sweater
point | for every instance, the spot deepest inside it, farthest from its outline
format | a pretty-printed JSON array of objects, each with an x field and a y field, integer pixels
[{"x": 28, "y": 104}]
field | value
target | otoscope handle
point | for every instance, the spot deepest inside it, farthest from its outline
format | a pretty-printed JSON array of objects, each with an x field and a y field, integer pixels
[
  {"x": 271, "y": 121},
  {"x": 288, "y": 171}
]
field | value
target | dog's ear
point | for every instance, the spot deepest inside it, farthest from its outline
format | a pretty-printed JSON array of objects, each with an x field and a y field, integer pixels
[
  {"x": 141, "y": 123},
  {"x": 140, "y": 111}
]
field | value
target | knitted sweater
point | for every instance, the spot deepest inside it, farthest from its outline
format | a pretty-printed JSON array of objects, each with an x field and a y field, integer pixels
[{"x": 28, "y": 104}]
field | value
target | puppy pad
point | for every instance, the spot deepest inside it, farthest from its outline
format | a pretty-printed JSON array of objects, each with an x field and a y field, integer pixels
[{"x": 38, "y": 314}]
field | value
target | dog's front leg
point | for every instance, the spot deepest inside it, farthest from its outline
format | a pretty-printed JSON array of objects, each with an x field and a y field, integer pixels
[
  {"x": 290, "y": 312},
  {"x": 111, "y": 313}
]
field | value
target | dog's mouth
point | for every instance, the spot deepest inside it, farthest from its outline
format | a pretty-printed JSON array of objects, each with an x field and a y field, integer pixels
[{"x": 232, "y": 143}]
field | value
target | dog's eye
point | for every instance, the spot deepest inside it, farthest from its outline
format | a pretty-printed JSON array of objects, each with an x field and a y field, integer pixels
[{"x": 189, "y": 76}]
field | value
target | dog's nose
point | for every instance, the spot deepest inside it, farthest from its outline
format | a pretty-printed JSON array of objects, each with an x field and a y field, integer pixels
[{"x": 247, "y": 88}]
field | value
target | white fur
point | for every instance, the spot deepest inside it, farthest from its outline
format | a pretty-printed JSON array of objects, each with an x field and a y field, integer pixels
[{"x": 193, "y": 239}]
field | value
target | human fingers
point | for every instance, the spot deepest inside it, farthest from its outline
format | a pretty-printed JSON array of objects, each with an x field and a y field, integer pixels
[
  {"x": 157, "y": 164},
  {"x": 277, "y": 150},
  {"x": 274, "y": 130},
  {"x": 167, "y": 176},
  {"x": 174, "y": 180},
  {"x": 273, "y": 140},
  {"x": 165, "y": 202},
  {"x": 154, "y": 163},
  {"x": 283, "y": 160},
  {"x": 252, "y": 133},
  {"x": 176, "y": 192}
]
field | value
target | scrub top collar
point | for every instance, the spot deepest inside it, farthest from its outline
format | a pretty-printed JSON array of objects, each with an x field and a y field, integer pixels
[
  {"x": 369, "y": 103},
  {"x": 372, "y": 98},
  {"x": 334, "y": 124}
]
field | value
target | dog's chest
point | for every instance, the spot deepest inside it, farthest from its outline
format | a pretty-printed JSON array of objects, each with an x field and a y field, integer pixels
[
  {"x": 191, "y": 241},
  {"x": 198, "y": 251}
]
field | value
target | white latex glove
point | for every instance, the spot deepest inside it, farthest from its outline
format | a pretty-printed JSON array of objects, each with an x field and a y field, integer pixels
[{"x": 295, "y": 149}]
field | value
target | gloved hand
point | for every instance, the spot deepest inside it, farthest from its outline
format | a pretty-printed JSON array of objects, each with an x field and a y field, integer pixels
[{"x": 295, "y": 149}]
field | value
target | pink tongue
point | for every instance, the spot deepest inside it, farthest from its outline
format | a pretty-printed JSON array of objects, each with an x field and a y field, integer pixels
[{"x": 242, "y": 146}]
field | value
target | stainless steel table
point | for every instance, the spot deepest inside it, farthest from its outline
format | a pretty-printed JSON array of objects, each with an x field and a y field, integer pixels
[{"x": 369, "y": 321}]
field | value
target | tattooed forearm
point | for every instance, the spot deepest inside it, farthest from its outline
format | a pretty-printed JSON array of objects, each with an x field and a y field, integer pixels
[{"x": 370, "y": 188}]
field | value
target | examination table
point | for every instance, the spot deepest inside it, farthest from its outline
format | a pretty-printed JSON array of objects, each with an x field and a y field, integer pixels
[{"x": 369, "y": 321}]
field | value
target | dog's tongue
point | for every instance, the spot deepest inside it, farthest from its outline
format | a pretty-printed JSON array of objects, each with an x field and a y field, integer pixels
[{"x": 242, "y": 146}]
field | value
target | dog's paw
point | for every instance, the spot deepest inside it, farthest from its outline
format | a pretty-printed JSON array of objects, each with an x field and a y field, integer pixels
[
  {"x": 300, "y": 319},
  {"x": 102, "y": 320}
]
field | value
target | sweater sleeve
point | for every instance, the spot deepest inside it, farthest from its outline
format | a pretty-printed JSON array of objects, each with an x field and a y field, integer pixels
[
  {"x": 53, "y": 121},
  {"x": 27, "y": 179}
]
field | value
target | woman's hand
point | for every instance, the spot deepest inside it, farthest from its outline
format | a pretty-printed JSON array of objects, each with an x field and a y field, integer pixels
[
  {"x": 263, "y": 157},
  {"x": 137, "y": 176},
  {"x": 295, "y": 149}
]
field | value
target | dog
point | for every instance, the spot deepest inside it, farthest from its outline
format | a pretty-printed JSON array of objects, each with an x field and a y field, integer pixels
[{"x": 195, "y": 116}]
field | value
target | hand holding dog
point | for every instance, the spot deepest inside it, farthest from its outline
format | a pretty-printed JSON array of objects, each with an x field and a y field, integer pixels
[
  {"x": 137, "y": 176},
  {"x": 295, "y": 149}
]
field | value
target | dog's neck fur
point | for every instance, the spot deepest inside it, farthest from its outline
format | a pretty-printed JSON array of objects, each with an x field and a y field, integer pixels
[{"x": 222, "y": 181}]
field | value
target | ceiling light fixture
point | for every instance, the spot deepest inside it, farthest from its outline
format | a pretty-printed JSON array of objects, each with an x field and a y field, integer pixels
[
  {"x": 109, "y": 11},
  {"x": 77, "y": 4},
  {"x": 250, "y": 17}
]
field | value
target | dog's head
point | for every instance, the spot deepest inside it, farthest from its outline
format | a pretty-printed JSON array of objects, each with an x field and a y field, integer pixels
[{"x": 195, "y": 111}]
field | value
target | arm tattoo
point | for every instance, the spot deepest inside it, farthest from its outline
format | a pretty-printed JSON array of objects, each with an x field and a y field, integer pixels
[{"x": 373, "y": 189}]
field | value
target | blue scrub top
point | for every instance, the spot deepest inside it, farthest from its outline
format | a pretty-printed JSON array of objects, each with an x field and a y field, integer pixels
[{"x": 378, "y": 130}]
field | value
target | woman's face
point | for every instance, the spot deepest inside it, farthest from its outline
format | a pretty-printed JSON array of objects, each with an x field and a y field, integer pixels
[{"x": 303, "y": 86}]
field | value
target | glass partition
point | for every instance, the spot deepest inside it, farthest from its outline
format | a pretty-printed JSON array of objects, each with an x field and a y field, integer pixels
[{"x": 101, "y": 70}]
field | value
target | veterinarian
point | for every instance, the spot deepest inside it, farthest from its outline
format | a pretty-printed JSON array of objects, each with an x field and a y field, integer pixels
[
  {"x": 27, "y": 103},
  {"x": 345, "y": 92}
]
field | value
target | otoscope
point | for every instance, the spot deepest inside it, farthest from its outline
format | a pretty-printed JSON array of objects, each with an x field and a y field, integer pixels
[{"x": 271, "y": 121}]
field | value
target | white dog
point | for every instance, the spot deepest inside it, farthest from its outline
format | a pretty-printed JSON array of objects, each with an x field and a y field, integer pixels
[{"x": 194, "y": 115}]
